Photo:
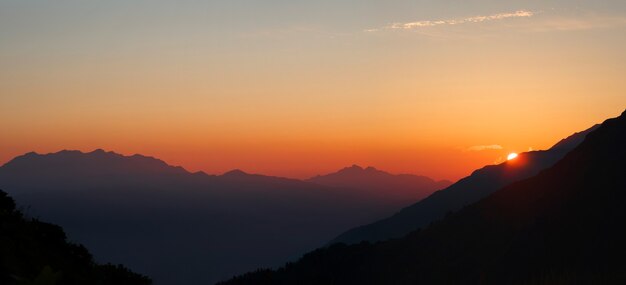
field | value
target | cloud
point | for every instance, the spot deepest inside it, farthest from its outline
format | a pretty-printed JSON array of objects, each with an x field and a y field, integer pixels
[
  {"x": 459, "y": 21},
  {"x": 484, "y": 147}
]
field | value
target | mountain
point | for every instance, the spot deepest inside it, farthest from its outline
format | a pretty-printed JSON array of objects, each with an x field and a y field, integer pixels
[
  {"x": 468, "y": 190},
  {"x": 405, "y": 188},
  {"x": 562, "y": 226},
  {"x": 180, "y": 227},
  {"x": 34, "y": 252}
]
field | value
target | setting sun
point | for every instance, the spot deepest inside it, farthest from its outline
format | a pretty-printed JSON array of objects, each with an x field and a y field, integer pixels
[{"x": 511, "y": 156}]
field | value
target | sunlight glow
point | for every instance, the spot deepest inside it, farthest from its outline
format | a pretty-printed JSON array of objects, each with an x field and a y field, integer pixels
[{"x": 511, "y": 156}]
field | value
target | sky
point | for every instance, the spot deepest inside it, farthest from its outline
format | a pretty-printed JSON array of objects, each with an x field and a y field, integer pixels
[{"x": 297, "y": 88}]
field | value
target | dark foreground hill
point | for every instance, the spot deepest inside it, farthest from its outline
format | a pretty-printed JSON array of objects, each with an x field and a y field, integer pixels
[
  {"x": 468, "y": 190},
  {"x": 34, "y": 252},
  {"x": 180, "y": 227},
  {"x": 562, "y": 226}
]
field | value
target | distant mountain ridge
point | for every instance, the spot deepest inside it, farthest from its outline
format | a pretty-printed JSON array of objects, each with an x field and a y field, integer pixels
[
  {"x": 131, "y": 209},
  {"x": 468, "y": 190},
  {"x": 106, "y": 161},
  {"x": 408, "y": 188}
]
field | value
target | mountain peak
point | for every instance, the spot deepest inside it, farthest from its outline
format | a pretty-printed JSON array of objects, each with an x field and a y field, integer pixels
[
  {"x": 100, "y": 151},
  {"x": 29, "y": 154},
  {"x": 357, "y": 169},
  {"x": 406, "y": 187},
  {"x": 354, "y": 167},
  {"x": 235, "y": 173}
]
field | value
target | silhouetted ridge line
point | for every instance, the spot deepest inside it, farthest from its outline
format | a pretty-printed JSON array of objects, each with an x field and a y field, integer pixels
[
  {"x": 96, "y": 160},
  {"x": 235, "y": 173},
  {"x": 478, "y": 185},
  {"x": 405, "y": 188}
]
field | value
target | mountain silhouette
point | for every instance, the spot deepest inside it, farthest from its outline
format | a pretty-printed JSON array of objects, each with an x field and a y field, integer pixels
[
  {"x": 405, "y": 188},
  {"x": 562, "y": 226},
  {"x": 98, "y": 161},
  {"x": 468, "y": 190},
  {"x": 181, "y": 227},
  {"x": 34, "y": 252}
]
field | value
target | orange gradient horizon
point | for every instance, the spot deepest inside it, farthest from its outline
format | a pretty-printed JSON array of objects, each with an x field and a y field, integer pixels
[
  {"x": 446, "y": 156},
  {"x": 299, "y": 88}
]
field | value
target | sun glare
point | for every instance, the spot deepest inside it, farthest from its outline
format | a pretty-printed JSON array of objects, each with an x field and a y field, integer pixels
[{"x": 511, "y": 156}]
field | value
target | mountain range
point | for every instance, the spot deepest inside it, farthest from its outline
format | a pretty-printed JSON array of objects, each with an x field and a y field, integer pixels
[
  {"x": 193, "y": 228},
  {"x": 177, "y": 226},
  {"x": 468, "y": 190},
  {"x": 564, "y": 225}
]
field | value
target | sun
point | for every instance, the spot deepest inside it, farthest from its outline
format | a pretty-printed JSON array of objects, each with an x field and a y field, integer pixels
[{"x": 511, "y": 156}]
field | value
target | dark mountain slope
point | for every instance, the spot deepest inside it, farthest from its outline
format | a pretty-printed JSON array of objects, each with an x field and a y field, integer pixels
[
  {"x": 34, "y": 252},
  {"x": 563, "y": 226},
  {"x": 468, "y": 190},
  {"x": 405, "y": 188}
]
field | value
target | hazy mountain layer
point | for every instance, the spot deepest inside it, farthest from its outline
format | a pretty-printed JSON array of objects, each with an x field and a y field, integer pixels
[
  {"x": 403, "y": 188},
  {"x": 180, "y": 227}
]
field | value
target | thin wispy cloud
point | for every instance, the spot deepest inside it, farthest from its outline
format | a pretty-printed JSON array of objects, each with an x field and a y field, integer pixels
[
  {"x": 459, "y": 21},
  {"x": 485, "y": 147}
]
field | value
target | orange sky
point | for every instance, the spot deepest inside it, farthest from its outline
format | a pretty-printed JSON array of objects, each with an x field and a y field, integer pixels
[
  {"x": 440, "y": 153},
  {"x": 299, "y": 91}
]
